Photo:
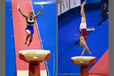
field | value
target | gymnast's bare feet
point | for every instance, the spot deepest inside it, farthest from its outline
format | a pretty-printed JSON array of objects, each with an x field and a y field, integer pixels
[
  {"x": 25, "y": 42},
  {"x": 83, "y": 4}
]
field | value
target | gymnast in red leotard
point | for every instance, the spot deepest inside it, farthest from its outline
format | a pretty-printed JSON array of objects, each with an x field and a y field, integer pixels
[{"x": 83, "y": 29}]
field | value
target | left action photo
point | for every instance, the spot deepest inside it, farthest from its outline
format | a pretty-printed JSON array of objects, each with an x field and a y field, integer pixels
[{"x": 30, "y": 37}]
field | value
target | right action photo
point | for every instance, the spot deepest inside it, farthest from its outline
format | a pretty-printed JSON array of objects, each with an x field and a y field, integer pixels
[{"x": 83, "y": 47}]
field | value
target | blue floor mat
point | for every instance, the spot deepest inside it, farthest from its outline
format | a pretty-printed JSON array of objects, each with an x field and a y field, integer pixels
[{"x": 10, "y": 46}]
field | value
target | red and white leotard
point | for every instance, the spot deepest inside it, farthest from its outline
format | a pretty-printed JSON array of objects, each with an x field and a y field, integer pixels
[{"x": 83, "y": 28}]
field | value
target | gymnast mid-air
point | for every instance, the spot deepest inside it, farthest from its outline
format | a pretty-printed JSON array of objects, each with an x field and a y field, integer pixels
[
  {"x": 83, "y": 30},
  {"x": 30, "y": 20}
]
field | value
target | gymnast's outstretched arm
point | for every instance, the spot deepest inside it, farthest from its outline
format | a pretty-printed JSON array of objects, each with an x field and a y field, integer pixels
[
  {"x": 90, "y": 29},
  {"x": 21, "y": 12},
  {"x": 39, "y": 12}
]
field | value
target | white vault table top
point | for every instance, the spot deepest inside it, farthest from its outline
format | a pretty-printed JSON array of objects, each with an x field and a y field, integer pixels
[
  {"x": 83, "y": 60},
  {"x": 34, "y": 55}
]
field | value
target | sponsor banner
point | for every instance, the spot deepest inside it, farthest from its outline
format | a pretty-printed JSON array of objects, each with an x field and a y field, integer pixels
[
  {"x": 59, "y": 9},
  {"x": 74, "y": 3},
  {"x": 65, "y": 5}
]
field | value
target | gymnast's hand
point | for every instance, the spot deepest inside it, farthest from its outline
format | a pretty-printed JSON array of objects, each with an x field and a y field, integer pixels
[
  {"x": 90, "y": 29},
  {"x": 93, "y": 28},
  {"x": 18, "y": 7},
  {"x": 41, "y": 6}
]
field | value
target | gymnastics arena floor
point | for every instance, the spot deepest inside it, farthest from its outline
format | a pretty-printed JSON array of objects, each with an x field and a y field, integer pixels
[{"x": 44, "y": 35}]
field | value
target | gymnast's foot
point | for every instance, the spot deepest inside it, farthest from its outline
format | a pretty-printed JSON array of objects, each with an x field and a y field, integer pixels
[
  {"x": 83, "y": 4},
  {"x": 28, "y": 44},
  {"x": 25, "y": 42}
]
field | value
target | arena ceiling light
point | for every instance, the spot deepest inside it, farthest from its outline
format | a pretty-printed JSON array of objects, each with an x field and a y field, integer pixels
[{"x": 44, "y": 3}]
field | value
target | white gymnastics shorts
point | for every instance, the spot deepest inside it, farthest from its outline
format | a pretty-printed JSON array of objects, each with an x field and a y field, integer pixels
[{"x": 83, "y": 25}]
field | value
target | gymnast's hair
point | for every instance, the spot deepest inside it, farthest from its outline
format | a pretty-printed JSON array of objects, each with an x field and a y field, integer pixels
[{"x": 78, "y": 43}]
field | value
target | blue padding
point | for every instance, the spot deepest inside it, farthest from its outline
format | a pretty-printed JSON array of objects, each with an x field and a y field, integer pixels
[{"x": 10, "y": 47}]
